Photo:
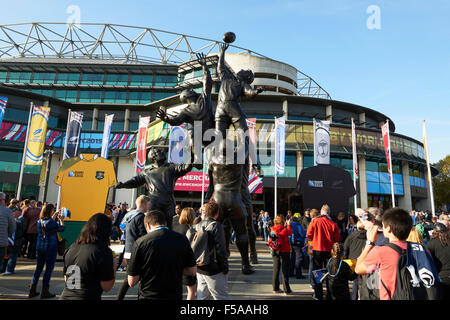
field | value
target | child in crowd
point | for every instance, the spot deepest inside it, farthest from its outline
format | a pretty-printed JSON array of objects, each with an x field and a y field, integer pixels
[{"x": 339, "y": 274}]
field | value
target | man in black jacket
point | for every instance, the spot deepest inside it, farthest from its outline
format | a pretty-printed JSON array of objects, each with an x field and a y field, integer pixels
[
  {"x": 212, "y": 279},
  {"x": 135, "y": 228}
]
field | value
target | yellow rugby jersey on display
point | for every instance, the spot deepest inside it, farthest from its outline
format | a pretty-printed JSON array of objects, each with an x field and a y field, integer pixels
[{"x": 85, "y": 181}]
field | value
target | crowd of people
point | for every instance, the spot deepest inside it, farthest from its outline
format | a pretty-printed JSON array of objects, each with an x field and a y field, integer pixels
[{"x": 342, "y": 253}]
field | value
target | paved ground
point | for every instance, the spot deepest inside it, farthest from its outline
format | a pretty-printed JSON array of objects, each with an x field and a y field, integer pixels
[{"x": 257, "y": 286}]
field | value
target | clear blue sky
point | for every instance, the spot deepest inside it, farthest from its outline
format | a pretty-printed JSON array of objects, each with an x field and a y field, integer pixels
[{"x": 401, "y": 70}]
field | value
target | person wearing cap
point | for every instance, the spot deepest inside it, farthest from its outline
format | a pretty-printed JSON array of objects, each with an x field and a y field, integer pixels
[{"x": 439, "y": 247}]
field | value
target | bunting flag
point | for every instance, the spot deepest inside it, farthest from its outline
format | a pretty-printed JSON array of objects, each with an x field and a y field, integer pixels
[
  {"x": 387, "y": 151},
  {"x": 430, "y": 180},
  {"x": 280, "y": 144},
  {"x": 72, "y": 143},
  {"x": 141, "y": 150},
  {"x": 106, "y": 134},
  {"x": 37, "y": 135},
  {"x": 321, "y": 142},
  {"x": 3, "y": 101}
]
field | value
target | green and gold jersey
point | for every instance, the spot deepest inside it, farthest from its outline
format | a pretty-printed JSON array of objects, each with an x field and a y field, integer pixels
[{"x": 85, "y": 181}]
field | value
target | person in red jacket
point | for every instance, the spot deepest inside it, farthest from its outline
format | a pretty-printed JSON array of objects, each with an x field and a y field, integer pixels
[
  {"x": 281, "y": 258},
  {"x": 322, "y": 232}
]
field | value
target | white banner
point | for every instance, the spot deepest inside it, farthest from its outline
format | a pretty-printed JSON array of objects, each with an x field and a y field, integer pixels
[
  {"x": 106, "y": 134},
  {"x": 322, "y": 142}
]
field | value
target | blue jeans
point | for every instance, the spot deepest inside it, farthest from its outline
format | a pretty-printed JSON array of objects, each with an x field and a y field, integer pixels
[
  {"x": 10, "y": 264},
  {"x": 266, "y": 234},
  {"x": 296, "y": 261},
  {"x": 47, "y": 258}
]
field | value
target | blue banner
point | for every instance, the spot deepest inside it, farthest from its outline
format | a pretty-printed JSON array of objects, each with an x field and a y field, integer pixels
[
  {"x": 280, "y": 144},
  {"x": 73, "y": 135}
]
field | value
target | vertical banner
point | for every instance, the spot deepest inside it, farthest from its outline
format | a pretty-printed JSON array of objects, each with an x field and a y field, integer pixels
[
  {"x": 177, "y": 142},
  {"x": 3, "y": 102},
  {"x": 72, "y": 143},
  {"x": 430, "y": 180},
  {"x": 321, "y": 142},
  {"x": 43, "y": 173},
  {"x": 355, "y": 162},
  {"x": 255, "y": 183},
  {"x": 106, "y": 134},
  {"x": 387, "y": 151},
  {"x": 37, "y": 135},
  {"x": 142, "y": 144},
  {"x": 280, "y": 144}
]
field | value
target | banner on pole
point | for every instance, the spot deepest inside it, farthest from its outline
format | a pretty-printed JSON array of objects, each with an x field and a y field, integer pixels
[
  {"x": 43, "y": 173},
  {"x": 141, "y": 150},
  {"x": 280, "y": 144},
  {"x": 355, "y": 155},
  {"x": 177, "y": 144},
  {"x": 255, "y": 183},
  {"x": 3, "y": 102},
  {"x": 73, "y": 135},
  {"x": 322, "y": 142},
  {"x": 387, "y": 146},
  {"x": 37, "y": 135},
  {"x": 106, "y": 135}
]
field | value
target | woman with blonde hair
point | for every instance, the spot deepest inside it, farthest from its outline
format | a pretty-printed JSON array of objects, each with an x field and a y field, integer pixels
[
  {"x": 185, "y": 221},
  {"x": 415, "y": 236}
]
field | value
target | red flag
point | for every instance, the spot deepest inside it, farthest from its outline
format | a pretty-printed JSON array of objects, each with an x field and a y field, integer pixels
[
  {"x": 142, "y": 144},
  {"x": 387, "y": 146}
]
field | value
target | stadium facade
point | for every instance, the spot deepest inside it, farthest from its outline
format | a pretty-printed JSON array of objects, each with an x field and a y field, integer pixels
[{"x": 129, "y": 71}]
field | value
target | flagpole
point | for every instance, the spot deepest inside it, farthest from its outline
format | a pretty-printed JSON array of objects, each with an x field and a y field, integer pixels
[
  {"x": 19, "y": 187},
  {"x": 354, "y": 155},
  {"x": 276, "y": 172},
  {"x": 58, "y": 201},
  {"x": 390, "y": 165},
  {"x": 430, "y": 181},
  {"x": 203, "y": 176}
]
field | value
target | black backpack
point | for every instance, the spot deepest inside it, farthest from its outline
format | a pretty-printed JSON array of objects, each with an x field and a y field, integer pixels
[
  {"x": 404, "y": 289},
  {"x": 200, "y": 244}
]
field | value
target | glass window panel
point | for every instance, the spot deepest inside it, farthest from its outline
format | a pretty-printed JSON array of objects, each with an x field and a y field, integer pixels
[
  {"x": 384, "y": 177},
  {"x": 134, "y": 125},
  {"x": 371, "y": 166},
  {"x": 398, "y": 189},
  {"x": 398, "y": 179},
  {"x": 115, "y": 97},
  {"x": 87, "y": 125},
  {"x": 372, "y": 176},
  {"x": 373, "y": 187},
  {"x": 411, "y": 181},
  {"x": 68, "y": 78},
  {"x": 19, "y": 77},
  {"x": 16, "y": 115},
  {"x": 44, "y": 77},
  {"x": 117, "y": 126},
  {"x": 162, "y": 95},
  {"x": 100, "y": 125},
  {"x": 167, "y": 80},
  {"x": 141, "y": 80},
  {"x": 67, "y": 95},
  {"x": 308, "y": 161},
  {"x": 3, "y": 76},
  {"x": 385, "y": 188},
  {"x": 90, "y": 96},
  {"x": 117, "y": 79},
  {"x": 92, "y": 78},
  {"x": 139, "y": 97},
  {"x": 382, "y": 167}
]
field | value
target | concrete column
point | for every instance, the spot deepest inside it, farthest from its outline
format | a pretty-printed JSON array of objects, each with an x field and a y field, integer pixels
[
  {"x": 126, "y": 125},
  {"x": 329, "y": 113},
  {"x": 285, "y": 109},
  {"x": 362, "y": 119},
  {"x": 94, "y": 119},
  {"x": 405, "y": 202},
  {"x": 362, "y": 182}
]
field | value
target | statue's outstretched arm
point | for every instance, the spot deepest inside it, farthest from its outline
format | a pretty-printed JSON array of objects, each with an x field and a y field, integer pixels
[{"x": 134, "y": 182}]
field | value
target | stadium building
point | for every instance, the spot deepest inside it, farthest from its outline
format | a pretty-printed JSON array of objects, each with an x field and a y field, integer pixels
[{"x": 131, "y": 71}]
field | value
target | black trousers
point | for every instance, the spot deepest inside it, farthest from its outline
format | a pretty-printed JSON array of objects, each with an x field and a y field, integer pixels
[
  {"x": 281, "y": 260},
  {"x": 123, "y": 289},
  {"x": 29, "y": 247},
  {"x": 320, "y": 260}
]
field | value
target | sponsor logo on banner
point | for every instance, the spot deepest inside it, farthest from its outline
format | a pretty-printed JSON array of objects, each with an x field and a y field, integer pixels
[{"x": 37, "y": 135}]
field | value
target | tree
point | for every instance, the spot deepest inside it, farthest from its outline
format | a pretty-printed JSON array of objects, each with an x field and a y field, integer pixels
[{"x": 441, "y": 183}]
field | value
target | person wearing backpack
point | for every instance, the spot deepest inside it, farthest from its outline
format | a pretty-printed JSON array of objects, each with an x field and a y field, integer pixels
[
  {"x": 339, "y": 274},
  {"x": 281, "y": 251},
  {"x": 297, "y": 240},
  {"x": 212, "y": 258},
  {"x": 395, "y": 258}
]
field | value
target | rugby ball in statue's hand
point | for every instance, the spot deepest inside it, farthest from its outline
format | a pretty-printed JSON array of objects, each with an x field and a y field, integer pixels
[{"x": 229, "y": 37}]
